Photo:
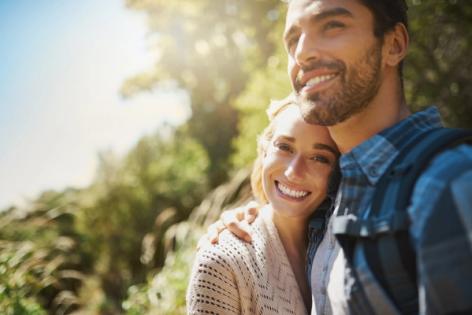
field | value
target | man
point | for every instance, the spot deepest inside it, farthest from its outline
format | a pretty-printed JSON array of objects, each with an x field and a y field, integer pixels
[{"x": 345, "y": 64}]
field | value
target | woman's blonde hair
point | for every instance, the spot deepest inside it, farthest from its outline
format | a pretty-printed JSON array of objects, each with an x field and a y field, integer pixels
[{"x": 275, "y": 108}]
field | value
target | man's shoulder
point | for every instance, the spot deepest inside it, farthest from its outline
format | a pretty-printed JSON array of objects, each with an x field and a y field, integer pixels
[
  {"x": 449, "y": 164},
  {"x": 440, "y": 226},
  {"x": 446, "y": 170},
  {"x": 450, "y": 171}
]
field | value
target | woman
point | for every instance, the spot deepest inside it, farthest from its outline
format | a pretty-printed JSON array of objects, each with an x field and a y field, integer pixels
[{"x": 290, "y": 175}]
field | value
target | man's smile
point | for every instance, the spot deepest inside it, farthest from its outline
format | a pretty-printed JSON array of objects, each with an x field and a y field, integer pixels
[
  {"x": 315, "y": 80},
  {"x": 317, "y": 83}
]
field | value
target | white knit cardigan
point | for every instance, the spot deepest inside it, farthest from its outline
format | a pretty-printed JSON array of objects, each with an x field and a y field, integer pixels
[{"x": 234, "y": 277}]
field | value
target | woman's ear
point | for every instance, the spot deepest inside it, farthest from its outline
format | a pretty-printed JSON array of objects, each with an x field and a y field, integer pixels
[{"x": 396, "y": 45}]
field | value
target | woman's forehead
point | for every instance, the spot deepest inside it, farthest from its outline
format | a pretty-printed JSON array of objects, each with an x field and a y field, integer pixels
[{"x": 291, "y": 123}]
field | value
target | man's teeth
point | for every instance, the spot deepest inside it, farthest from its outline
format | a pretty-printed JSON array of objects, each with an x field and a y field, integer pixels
[
  {"x": 319, "y": 79},
  {"x": 292, "y": 193}
]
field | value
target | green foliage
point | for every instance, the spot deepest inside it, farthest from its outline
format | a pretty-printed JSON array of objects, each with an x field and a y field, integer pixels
[
  {"x": 252, "y": 105},
  {"x": 103, "y": 238},
  {"x": 266, "y": 84},
  {"x": 139, "y": 198},
  {"x": 165, "y": 292},
  {"x": 41, "y": 257},
  {"x": 210, "y": 49},
  {"x": 438, "y": 69},
  {"x": 20, "y": 279}
]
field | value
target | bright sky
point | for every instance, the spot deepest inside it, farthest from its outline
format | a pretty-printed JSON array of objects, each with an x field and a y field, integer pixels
[{"x": 62, "y": 64}]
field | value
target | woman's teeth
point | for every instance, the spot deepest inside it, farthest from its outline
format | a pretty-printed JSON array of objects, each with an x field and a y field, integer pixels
[{"x": 290, "y": 192}]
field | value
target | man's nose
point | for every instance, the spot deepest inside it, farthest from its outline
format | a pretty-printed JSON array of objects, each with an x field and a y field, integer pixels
[
  {"x": 306, "y": 50},
  {"x": 296, "y": 169}
]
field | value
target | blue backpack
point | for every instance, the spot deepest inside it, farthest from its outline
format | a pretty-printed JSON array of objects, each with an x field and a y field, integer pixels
[{"x": 378, "y": 246}]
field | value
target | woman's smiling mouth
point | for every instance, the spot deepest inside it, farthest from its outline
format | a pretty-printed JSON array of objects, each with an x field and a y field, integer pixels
[{"x": 291, "y": 193}]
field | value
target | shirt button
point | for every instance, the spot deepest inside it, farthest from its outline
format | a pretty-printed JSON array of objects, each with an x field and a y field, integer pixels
[{"x": 373, "y": 172}]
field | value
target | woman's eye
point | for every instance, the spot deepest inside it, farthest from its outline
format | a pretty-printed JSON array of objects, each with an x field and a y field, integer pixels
[
  {"x": 322, "y": 159},
  {"x": 283, "y": 147}
]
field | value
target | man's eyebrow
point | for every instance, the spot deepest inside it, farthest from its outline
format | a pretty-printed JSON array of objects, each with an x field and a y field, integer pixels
[
  {"x": 331, "y": 13},
  {"x": 317, "y": 17},
  {"x": 322, "y": 146}
]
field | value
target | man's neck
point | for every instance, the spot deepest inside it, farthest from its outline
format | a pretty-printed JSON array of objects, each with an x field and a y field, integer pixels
[{"x": 385, "y": 110}]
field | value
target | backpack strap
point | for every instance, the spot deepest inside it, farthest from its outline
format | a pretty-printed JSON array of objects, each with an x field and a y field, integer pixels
[
  {"x": 397, "y": 257},
  {"x": 383, "y": 233}
]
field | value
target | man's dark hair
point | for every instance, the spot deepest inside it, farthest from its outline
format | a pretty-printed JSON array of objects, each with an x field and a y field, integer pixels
[{"x": 387, "y": 13}]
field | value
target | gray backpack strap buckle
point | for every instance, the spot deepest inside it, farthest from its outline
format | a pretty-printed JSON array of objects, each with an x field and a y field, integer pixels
[{"x": 351, "y": 225}]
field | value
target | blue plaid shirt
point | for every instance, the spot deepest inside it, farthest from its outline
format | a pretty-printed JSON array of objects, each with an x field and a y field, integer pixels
[
  {"x": 316, "y": 230},
  {"x": 444, "y": 268}
]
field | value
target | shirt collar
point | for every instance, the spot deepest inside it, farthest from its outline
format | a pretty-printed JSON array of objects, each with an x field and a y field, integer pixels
[{"x": 374, "y": 155}]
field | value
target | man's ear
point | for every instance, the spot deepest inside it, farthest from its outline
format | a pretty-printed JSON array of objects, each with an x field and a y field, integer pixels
[{"x": 396, "y": 45}]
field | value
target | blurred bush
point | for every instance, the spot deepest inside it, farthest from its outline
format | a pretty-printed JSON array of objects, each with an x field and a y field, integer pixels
[
  {"x": 42, "y": 261},
  {"x": 164, "y": 293}
]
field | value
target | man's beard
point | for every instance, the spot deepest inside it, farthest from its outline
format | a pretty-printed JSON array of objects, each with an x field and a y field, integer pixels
[{"x": 356, "y": 87}]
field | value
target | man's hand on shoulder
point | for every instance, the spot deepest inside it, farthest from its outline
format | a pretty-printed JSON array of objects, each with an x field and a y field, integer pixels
[{"x": 237, "y": 221}]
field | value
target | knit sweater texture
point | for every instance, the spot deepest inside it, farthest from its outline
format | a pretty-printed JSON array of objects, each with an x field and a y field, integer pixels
[{"x": 234, "y": 277}]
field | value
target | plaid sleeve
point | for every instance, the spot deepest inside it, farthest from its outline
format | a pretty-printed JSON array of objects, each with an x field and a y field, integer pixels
[{"x": 444, "y": 248}]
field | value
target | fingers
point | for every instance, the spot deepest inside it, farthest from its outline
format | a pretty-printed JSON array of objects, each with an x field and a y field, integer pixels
[
  {"x": 252, "y": 211},
  {"x": 238, "y": 214},
  {"x": 237, "y": 221},
  {"x": 214, "y": 231},
  {"x": 232, "y": 221}
]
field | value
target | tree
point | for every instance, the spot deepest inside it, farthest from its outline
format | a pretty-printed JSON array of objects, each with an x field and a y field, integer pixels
[
  {"x": 438, "y": 69},
  {"x": 210, "y": 49},
  {"x": 163, "y": 173}
]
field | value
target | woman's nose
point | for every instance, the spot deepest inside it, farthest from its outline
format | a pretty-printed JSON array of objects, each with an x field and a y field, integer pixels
[{"x": 295, "y": 170}]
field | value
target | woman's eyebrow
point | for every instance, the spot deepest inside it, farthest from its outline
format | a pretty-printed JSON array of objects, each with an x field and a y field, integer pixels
[
  {"x": 322, "y": 146},
  {"x": 287, "y": 138}
]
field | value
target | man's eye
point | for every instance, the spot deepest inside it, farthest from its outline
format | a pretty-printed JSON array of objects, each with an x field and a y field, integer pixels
[
  {"x": 292, "y": 43},
  {"x": 333, "y": 25}
]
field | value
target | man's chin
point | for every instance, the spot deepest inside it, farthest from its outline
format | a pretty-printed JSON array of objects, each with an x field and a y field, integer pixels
[{"x": 318, "y": 113}]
